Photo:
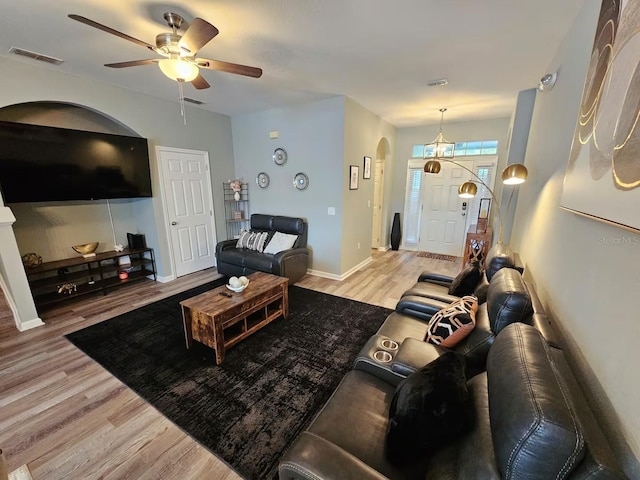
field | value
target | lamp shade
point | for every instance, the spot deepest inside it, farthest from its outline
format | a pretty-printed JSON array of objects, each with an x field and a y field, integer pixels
[
  {"x": 432, "y": 166},
  {"x": 514, "y": 174},
  {"x": 468, "y": 190},
  {"x": 179, "y": 70}
]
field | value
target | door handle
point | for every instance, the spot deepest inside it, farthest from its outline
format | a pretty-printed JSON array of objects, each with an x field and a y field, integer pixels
[{"x": 174, "y": 223}]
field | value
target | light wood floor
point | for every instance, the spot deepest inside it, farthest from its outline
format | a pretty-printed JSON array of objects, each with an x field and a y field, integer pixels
[{"x": 65, "y": 417}]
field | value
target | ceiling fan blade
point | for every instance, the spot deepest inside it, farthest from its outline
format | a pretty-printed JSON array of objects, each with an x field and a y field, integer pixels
[
  {"x": 236, "y": 68},
  {"x": 200, "y": 83},
  {"x": 197, "y": 35},
  {"x": 132, "y": 63},
  {"x": 110, "y": 30}
]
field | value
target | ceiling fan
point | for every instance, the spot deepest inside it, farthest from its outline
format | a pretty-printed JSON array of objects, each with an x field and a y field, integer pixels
[{"x": 179, "y": 52}]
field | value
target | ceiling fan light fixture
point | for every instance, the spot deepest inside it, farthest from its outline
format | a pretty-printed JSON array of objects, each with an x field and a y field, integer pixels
[{"x": 178, "y": 70}]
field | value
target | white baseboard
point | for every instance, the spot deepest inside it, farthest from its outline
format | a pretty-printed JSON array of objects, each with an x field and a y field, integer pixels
[
  {"x": 29, "y": 324},
  {"x": 347, "y": 274},
  {"x": 165, "y": 279},
  {"x": 385, "y": 248}
]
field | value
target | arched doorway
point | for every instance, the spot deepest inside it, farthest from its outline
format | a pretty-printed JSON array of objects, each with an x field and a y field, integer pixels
[{"x": 378, "y": 237}]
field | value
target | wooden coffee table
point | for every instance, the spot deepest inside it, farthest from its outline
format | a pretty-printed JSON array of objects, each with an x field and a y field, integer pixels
[{"x": 220, "y": 322}]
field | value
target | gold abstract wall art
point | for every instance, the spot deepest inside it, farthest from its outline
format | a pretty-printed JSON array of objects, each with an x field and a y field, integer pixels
[{"x": 602, "y": 179}]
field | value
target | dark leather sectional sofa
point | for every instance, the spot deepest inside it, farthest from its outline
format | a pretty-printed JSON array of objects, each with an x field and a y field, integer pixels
[
  {"x": 531, "y": 417},
  {"x": 291, "y": 263}
]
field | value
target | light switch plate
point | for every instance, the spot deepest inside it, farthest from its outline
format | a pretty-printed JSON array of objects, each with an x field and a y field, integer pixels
[{"x": 331, "y": 211}]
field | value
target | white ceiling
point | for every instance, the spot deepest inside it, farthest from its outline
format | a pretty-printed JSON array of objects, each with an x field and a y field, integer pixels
[{"x": 381, "y": 53}]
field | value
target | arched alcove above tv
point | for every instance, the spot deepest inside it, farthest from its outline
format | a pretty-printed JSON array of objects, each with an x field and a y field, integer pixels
[
  {"x": 64, "y": 115},
  {"x": 50, "y": 228}
]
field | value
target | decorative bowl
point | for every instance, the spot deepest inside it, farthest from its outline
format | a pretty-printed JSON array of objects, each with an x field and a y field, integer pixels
[
  {"x": 86, "y": 248},
  {"x": 238, "y": 289}
]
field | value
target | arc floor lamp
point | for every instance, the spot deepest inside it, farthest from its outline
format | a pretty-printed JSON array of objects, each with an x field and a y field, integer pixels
[{"x": 513, "y": 174}]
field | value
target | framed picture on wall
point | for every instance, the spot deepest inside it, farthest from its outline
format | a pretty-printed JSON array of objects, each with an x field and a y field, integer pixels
[
  {"x": 366, "y": 171},
  {"x": 354, "y": 172}
]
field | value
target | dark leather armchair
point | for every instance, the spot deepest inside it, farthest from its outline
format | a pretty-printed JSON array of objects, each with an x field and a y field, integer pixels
[{"x": 291, "y": 263}]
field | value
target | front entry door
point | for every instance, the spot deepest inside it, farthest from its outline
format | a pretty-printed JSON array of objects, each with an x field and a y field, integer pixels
[
  {"x": 189, "y": 208},
  {"x": 443, "y": 223}
]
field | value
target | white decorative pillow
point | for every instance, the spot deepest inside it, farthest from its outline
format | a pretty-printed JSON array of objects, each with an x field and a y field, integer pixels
[{"x": 280, "y": 242}]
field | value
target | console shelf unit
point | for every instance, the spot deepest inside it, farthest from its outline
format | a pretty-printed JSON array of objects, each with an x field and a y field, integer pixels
[
  {"x": 236, "y": 211},
  {"x": 90, "y": 275}
]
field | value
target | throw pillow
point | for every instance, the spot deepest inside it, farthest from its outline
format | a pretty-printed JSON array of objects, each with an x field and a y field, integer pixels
[
  {"x": 243, "y": 239},
  {"x": 280, "y": 241},
  {"x": 252, "y": 240},
  {"x": 429, "y": 408},
  {"x": 466, "y": 281},
  {"x": 451, "y": 324}
]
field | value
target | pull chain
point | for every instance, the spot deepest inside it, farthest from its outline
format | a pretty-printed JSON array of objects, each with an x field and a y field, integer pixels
[{"x": 182, "y": 109}]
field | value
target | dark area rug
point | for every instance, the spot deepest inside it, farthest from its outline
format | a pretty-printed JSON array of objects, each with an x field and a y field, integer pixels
[
  {"x": 438, "y": 256},
  {"x": 269, "y": 388}
]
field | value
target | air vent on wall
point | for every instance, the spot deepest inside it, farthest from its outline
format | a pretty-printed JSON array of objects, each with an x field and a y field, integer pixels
[
  {"x": 191, "y": 100},
  {"x": 35, "y": 56}
]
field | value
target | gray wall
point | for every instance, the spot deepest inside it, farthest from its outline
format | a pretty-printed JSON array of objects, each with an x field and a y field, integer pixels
[
  {"x": 153, "y": 118},
  {"x": 313, "y": 136},
  {"x": 363, "y": 132},
  {"x": 585, "y": 275},
  {"x": 489, "y": 129},
  {"x": 321, "y": 139}
]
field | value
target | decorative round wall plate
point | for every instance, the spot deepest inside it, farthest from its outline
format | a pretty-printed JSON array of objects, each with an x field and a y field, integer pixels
[
  {"x": 301, "y": 181},
  {"x": 262, "y": 180},
  {"x": 279, "y": 156}
]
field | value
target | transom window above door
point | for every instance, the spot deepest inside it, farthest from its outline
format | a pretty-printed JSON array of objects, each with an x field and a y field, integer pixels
[{"x": 477, "y": 147}]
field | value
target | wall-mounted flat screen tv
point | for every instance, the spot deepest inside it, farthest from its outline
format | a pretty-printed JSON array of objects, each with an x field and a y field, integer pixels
[{"x": 47, "y": 164}]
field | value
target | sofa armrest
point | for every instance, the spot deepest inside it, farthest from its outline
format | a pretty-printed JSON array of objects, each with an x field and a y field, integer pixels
[
  {"x": 436, "y": 278},
  {"x": 419, "y": 307},
  {"x": 224, "y": 245},
  {"x": 292, "y": 252},
  {"x": 312, "y": 458},
  {"x": 414, "y": 354}
]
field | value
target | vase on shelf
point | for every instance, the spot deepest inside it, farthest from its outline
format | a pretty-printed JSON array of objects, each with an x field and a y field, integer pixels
[{"x": 236, "y": 196}]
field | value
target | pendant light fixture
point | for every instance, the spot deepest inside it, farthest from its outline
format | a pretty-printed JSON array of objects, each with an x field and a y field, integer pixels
[{"x": 440, "y": 147}]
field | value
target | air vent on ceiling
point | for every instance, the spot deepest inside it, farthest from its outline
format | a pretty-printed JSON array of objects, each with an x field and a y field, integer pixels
[
  {"x": 35, "y": 56},
  {"x": 438, "y": 83},
  {"x": 192, "y": 100}
]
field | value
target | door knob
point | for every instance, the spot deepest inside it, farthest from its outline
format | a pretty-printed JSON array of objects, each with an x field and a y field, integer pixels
[{"x": 174, "y": 223}]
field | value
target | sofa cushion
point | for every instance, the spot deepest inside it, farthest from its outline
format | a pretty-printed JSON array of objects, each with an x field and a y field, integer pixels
[
  {"x": 429, "y": 408},
  {"x": 279, "y": 242},
  {"x": 466, "y": 281},
  {"x": 508, "y": 300},
  {"x": 260, "y": 221},
  {"x": 533, "y": 424},
  {"x": 451, "y": 324},
  {"x": 499, "y": 256},
  {"x": 258, "y": 261},
  {"x": 398, "y": 327}
]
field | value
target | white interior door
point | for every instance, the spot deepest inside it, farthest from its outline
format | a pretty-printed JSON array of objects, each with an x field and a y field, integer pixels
[
  {"x": 443, "y": 222},
  {"x": 377, "y": 204},
  {"x": 188, "y": 208}
]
